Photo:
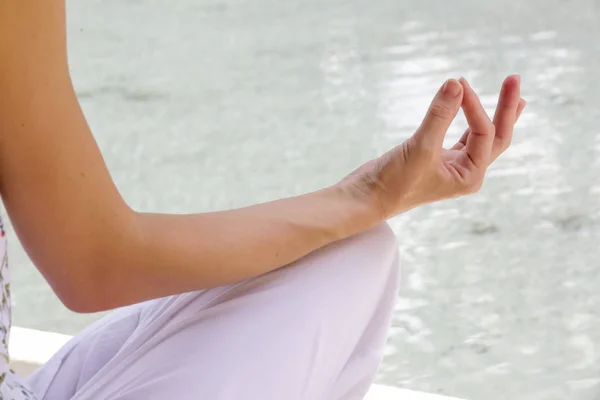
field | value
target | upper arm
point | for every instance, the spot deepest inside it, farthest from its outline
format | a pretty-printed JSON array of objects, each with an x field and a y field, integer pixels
[
  {"x": 53, "y": 180},
  {"x": 32, "y": 40}
]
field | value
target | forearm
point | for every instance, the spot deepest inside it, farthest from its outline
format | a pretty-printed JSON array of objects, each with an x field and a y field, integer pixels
[
  {"x": 92, "y": 248},
  {"x": 179, "y": 253},
  {"x": 99, "y": 254}
]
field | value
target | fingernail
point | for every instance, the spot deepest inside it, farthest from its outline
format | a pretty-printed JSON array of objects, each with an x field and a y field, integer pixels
[{"x": 451, "y": 88}]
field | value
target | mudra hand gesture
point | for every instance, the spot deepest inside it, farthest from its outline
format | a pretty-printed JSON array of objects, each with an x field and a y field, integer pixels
[{"x": 421, "y": 171}]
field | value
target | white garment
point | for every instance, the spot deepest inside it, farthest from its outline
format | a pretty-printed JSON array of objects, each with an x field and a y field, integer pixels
[{"x": 314, "y": 330}]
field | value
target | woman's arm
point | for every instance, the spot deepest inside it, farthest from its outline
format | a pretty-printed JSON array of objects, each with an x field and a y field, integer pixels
[
  {"x": 98, "y": 254},
  {"x": 92, "y": 248}
]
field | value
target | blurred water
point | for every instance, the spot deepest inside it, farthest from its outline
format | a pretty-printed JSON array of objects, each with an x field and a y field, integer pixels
[{"x": 217, "y": 104}]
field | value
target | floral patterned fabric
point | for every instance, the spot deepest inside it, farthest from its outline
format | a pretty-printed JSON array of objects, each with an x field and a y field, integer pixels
[{"x": 11, "y": 386}]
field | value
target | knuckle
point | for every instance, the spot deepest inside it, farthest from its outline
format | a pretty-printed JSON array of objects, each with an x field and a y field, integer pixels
[
  {"x": 505, "y": 143},
  {"x": 501, "y": 143},
  {"x": 473, "y": 187},
  {"x": 440, "y": 110},
  {"x": 417, "y": 148},
  {"x": 425, "y": 152},
  {"x": 508, "y": 106}
]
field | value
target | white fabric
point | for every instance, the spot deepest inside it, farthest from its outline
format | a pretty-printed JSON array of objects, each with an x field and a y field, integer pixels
[{"x": 314, "y": 330}]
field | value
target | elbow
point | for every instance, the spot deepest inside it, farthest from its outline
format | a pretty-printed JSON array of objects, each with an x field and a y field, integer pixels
[
  {"x": 93, "y": 278},
  {"x": 88, "y": 288},
  {"x": 82, "y": 299},
  {"x": 82, "y": 303},
  {"x": 84, "y": 263}
]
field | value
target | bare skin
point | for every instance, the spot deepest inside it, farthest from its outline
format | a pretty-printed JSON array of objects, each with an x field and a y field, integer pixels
[{"x": 97, "y": 253}]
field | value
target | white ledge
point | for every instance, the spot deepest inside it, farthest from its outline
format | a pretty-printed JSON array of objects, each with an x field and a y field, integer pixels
[{"x": 30, "y": 348}]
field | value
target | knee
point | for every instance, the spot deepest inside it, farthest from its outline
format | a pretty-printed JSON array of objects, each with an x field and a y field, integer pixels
[
  {"x": 367, "y": 260},
  {"x": 362, "y": 267},
  {"x": 378, "y": 246},
  {"x": 381, "y": 238}
]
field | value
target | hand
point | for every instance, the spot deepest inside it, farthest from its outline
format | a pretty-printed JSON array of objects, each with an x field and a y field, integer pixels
[{"x": 421, "y": 171}]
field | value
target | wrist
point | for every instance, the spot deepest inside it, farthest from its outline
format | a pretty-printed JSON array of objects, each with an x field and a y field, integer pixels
[{"x": 361, "y": 210}]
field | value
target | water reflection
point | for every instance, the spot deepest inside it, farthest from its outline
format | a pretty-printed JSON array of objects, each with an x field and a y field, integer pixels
[{"x": 500, "y": 266}]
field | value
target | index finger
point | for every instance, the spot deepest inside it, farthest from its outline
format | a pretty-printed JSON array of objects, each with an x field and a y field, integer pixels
[
  {"x": 481, "y": 139},
  {"x": 441, "y": 113}
]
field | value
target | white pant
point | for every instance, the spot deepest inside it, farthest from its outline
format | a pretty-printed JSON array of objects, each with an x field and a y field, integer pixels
[{"x": 314, "y": 330}]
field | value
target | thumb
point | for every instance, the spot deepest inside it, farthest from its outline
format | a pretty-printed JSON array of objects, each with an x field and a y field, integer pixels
[{"x": 441, "y": 113}]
